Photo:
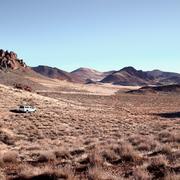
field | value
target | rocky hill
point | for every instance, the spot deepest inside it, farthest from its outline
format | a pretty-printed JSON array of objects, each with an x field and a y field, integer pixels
[
  {"x": 128, "y": 76},
  {"x": 131, "y": 76},
  {"x": 54, "y": 73},
  {"x": 86, "y": 74}
]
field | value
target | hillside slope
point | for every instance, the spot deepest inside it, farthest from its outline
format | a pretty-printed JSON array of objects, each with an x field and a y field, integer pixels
[
  {"x": 128, "y": 76},
  {"x": 15, "y": 71},
  {"x": 85, "y": 74},
  {"x": 131, "y": 76},
  {"x": 54, "y": 73}
]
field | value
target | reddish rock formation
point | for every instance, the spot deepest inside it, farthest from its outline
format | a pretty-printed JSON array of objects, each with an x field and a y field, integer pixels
[{"x": 9, "y": 60}]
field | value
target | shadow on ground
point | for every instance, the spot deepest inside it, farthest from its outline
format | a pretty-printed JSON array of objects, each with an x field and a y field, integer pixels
[
  {"x": 15, "y": 111},
  {"x": 168, "y": 115},
  {"x": 39, "y": 177}
]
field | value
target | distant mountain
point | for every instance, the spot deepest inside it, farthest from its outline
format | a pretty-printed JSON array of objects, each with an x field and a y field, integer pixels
[
  {"x": 85, "y": 75},
  {"x": 53, "y": 72},
  {"x": 14, "y": 69},
  {"x": 131, "y": 76},
  {"x": 128, "y": 76},
  {"x": 165, "y": 77}
]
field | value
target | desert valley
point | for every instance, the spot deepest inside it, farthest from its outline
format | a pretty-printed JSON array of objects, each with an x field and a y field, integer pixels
[{"x": 90, "y": 125}]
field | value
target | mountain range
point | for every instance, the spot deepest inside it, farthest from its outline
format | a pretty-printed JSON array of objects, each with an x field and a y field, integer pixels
[
  {"x": 11, "y": 67},
  {"x": 127, "y": 76}
]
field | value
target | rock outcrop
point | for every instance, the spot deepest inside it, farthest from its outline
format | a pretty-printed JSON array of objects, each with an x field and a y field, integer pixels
[{"x": 9, "y": 60}]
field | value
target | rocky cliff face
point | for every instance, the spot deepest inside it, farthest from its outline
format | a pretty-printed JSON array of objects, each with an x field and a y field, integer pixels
[{"x": 9, "y": 60}]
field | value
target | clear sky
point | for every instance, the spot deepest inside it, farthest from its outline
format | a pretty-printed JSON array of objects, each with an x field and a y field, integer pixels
[{"x": 100, "y": 34}]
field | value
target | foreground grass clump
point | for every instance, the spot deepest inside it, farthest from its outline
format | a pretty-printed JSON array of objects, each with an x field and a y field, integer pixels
[
  {"x": 141, "y": 173},
  {"x": 27, "y": 172},
  {"x": 97, "y": 173}
]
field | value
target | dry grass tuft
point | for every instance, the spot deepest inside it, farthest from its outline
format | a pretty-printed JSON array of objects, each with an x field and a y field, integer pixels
[
  {"x": 146, "y": 143},
  {"x": 127, "y": 152},
  {"x": 158, "y": 166},
  {"x": 6, "y": 136},
  {"x": 62, "y": 153},
  {"x": 172, "y": 176},
  {"x": 166, "y": 136},
  {"x": 27, "y": 172},
  {"x": 2, "y": 176},
  {"x": 45, "y": 156},
  {"x": 10, "y": 157},
  {"x": 140, "y": 173},
  {"x": 95, "y": 158},
  {"x": 160, "y": 160},
  {"x": 97, "y": 173}
]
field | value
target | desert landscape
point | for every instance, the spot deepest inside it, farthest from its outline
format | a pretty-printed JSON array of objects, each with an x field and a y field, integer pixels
[
  {"x": 90, "y": 90},
  {"x": 91, "y": 132}
]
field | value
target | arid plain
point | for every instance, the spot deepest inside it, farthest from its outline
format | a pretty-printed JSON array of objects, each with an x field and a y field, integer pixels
[{"x": 96, "y": 132}]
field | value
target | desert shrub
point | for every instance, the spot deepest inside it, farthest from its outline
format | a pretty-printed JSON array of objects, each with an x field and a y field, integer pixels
[
  {"x": 10, "y": 157},
  {"x": 143, "y": 143},
  {"x": 158, "y": 166},
  {"x": 171, "y": 176},
  {"x": 140, "y": 173},
  {"x": 65, "y": 172},
  {"x": 7, "y": 137},
  {"x": 27, "y": 172},
  {"x": 176, "y": 154},
  {"x": 77, "y": 151},
  {"x": 2, "y": 176},
  {"x": 95, "y": 158},
  {"x": 166, "y": 149},
  {"x": 62, "y": 153},
  {"x": 175, "y": 137},
  {"x": 127, "y": 152},
  {"x": 144, "y": 147},
  {"x": 166, "y": 136},
  {"x": 135, "y": 140},
  {"x": 45, "y": 156},
  {"x": 97, "y": 173},
  {"x": 22, "y": 87},
  {"x": 116, "y": 154},
  {"x": 160, "y": 160},
  {"x": 110, "y": 156}
]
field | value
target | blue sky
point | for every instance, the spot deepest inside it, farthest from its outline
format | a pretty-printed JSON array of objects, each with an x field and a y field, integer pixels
[{"x": 100, "y": 34}]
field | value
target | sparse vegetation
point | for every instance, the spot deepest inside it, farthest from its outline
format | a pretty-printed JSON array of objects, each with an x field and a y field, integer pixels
[{"x": 89, "y": 136}]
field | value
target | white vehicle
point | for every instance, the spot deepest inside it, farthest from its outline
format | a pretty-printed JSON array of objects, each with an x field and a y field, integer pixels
[{"x": 26, "y": 109}]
